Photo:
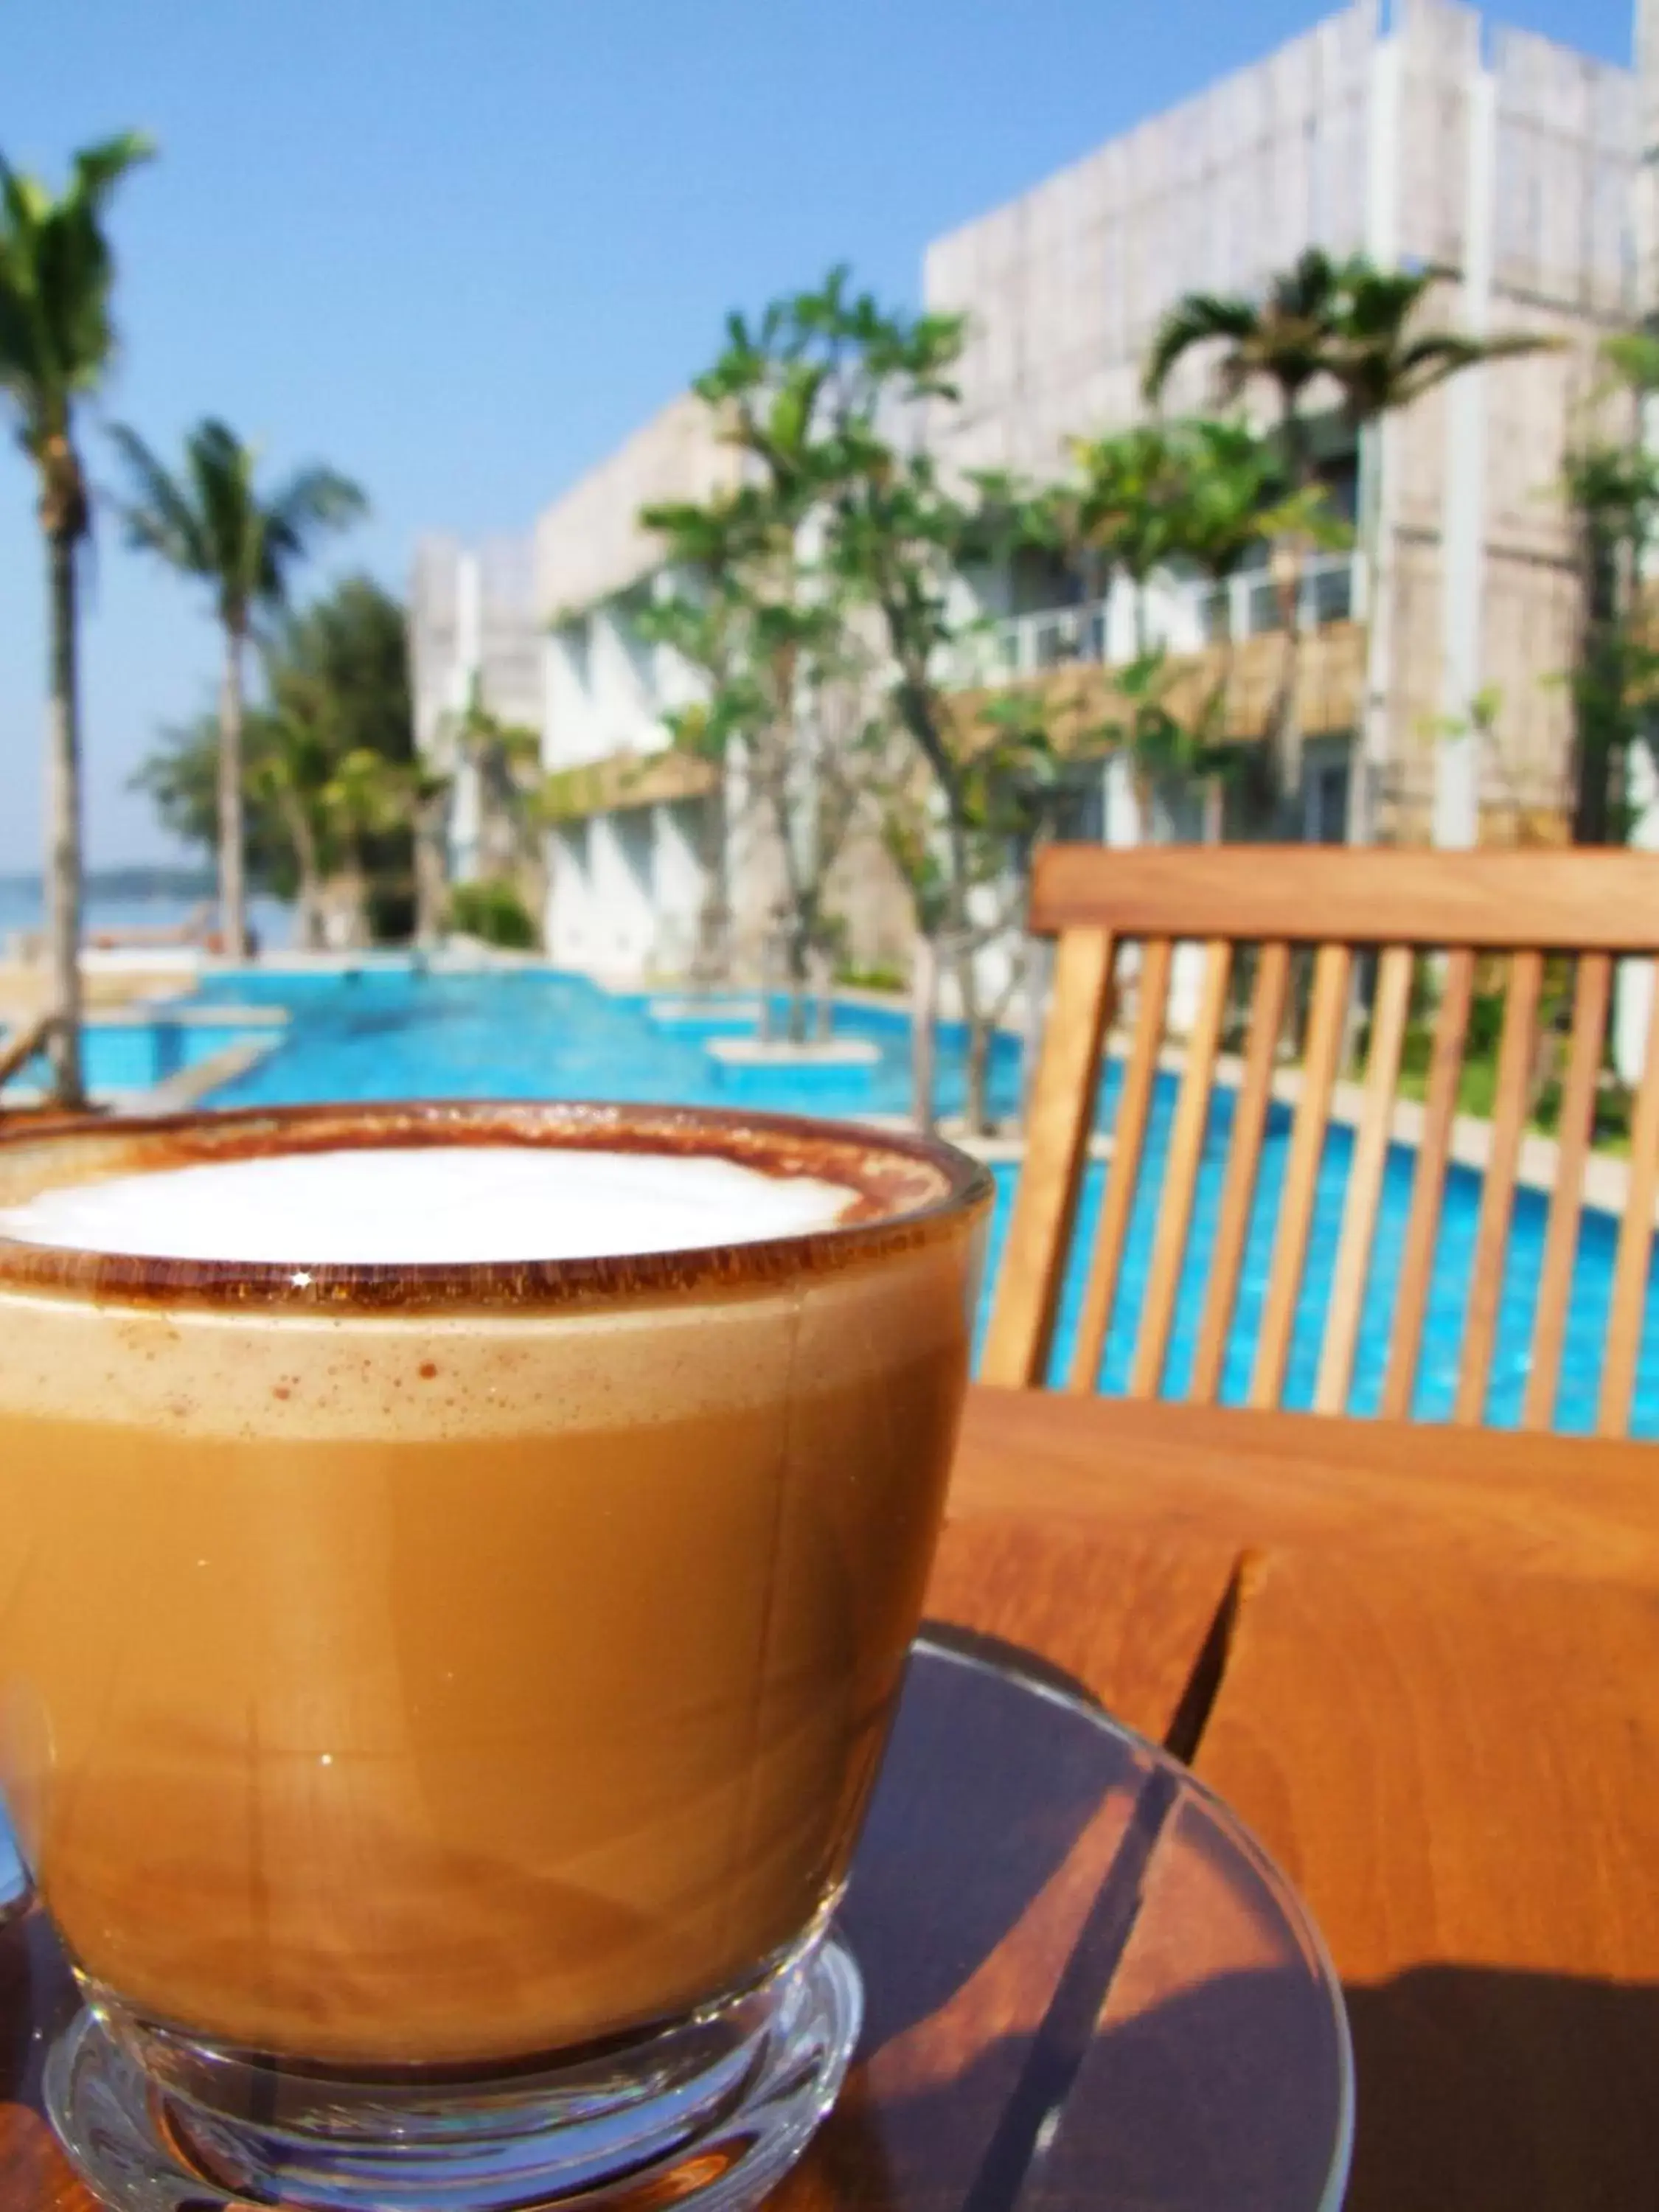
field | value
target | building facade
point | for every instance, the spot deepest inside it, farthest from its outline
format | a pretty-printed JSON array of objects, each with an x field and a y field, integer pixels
[
  {"x": 1421, "y": 137},
  {"x": 1428, "y": 138},
  {"x": 475, "y": 640}
]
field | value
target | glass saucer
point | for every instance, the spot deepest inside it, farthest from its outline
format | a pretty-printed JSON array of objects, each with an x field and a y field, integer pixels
[
  {"x": 14, "y": 1882},
  {"x": 1084, "y": 1984}
]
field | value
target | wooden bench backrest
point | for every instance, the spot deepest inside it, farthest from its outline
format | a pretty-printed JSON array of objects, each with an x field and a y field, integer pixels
[{"x": 1515, "y": 909}]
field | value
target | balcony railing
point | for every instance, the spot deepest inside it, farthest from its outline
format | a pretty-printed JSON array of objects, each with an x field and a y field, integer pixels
[{"x": 1182, "y": 616}]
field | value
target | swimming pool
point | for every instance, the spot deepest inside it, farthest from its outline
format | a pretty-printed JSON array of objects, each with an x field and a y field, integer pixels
[
  {"x": 388, "y": 1030},
  {"x": 127, "y": 1052},
  {"x": 391, "y": 1031}
]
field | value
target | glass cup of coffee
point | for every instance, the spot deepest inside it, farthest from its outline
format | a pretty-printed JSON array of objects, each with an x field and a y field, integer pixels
[{"x": 459, "y": 1565}]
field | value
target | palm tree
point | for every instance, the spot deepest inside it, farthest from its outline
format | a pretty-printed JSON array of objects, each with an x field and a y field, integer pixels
[
  {"x": 57, "y": 344},
  {"x": 429, "y": 791},
  {"x": 212, "y": 522},
  {"x": 288, "y": 767},
  {"x": 1126, "y": 505},
  {"x": 1235, "y": 500},
  {"x": 1352, "y": 323},
  {"x": 1611, "y": 484},
  {"x": 1286, "y": 339},
  {"x": 1380, "y": 364},
  {"x": 366, "y": 796}
]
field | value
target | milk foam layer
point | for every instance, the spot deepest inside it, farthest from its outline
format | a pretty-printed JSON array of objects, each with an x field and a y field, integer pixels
[{"x": 417, "y": 1205}]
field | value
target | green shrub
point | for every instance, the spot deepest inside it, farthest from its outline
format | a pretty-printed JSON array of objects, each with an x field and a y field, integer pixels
[
  {"x": 492, "y": 909},
  {"x": 879, "y": 978}
]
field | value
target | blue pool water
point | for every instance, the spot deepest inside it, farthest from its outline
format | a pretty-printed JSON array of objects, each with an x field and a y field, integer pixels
[
  {"x": 1454, "y": 1261},
  {"x": 386, "y": 1031},
  {"x": 121, "y": 1055}
]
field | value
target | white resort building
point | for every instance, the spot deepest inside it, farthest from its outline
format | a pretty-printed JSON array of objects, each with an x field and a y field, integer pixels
[{"x": 1418, "y": 135}]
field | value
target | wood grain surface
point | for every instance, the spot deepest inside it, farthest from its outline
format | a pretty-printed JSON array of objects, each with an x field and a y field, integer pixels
[
  {"x": 1268, "y": 992},
  {"x": 1491, "y": 1236},
  {"x": 1208, "y": 1476},
  {"x": 1370, "y": 1156},
  {"x": 1186, "y": 1155},
  {"x": 1429, "y": 1183},
  {"x": 1458, "y": 1772},
  {"x": 1592, "y": 995},
  {"x": 1589, "y": 900},
  {"x": 1060, "y": 1119},
  {"x": 1631, "y": 1261},
  {"x": 1321, "y": 1051},
  {"x": 1128, "y": 1137}
]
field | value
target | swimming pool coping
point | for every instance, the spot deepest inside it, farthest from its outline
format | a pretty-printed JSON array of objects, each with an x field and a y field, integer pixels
[{"x": 1605, "y": 1189}]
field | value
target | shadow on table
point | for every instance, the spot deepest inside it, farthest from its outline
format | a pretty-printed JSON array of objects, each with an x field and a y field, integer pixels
[
  {"x": 1477, "y": 2092},
  {"x": 1190, "y": 2106},
  {"x": 1482, "y": 2088}
]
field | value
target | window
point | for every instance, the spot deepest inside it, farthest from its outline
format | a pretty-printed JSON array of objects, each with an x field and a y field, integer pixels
[
  {"x": 577, "y": 639},
  {"x": 1325, "y": 781}
]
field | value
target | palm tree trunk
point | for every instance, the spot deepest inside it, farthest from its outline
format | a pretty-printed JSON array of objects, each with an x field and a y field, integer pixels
[
  {"x": 1217, "y": 719},
  {"x": 232, "y": 891},
  {"x": 976, "y": 1103},
  {"x": 1371, "y": 749},
  {"x": 711, "y": 962},
  {"x": 64, "y": 826},
  {"x": 1284, "y": 715},
  {"x": 1286, "y": 723},
  {"x": 308, "y": 893},
  {"x": 431, "y": 877},
  {"x": 924, "y": 1032}
]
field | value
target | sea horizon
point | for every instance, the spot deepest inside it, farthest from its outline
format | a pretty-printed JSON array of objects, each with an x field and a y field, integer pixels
[{"x": 111, "y": 903}]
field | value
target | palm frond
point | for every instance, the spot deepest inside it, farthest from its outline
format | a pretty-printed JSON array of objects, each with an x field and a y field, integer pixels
[
  {"x": 1196, "y": 320},
  {"x": 1633, "y": 357},
  {"x": 1307, "y": 291},
  {"x": 312, "y": 502},
  {"x": 220, "y": 466},
  {"x": 159, "y": 518},
  {"x": 210, "y": 520},
  {"x": 57, "y": 274},
  {"x": 99, "y": 168}
]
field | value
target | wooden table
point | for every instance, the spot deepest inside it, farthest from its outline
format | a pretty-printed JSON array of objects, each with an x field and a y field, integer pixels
[{"x": 1422, "y": 1664}]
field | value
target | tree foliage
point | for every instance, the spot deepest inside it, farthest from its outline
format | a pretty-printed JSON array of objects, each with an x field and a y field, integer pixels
[
  {"x": 210, "y": 520},
  {"x": 760, "y": 605},
  {"x": 1612, "y": 489},
  {"x": 58, "y": 337},
  {"x": 333, "y": 783},
  {"x": 1349, "y": 328},
  {"x": 56, "y": 343},
  {"x": 831, "y": 573}
]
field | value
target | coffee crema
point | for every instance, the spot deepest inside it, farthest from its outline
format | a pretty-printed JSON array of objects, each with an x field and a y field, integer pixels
[{"x": 387, "y": 1683}]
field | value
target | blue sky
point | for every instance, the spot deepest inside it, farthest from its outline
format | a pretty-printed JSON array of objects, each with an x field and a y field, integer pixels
[{"x": 461, "y": 247}]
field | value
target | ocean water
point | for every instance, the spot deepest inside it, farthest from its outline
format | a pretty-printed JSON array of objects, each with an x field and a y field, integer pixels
[{"x": 20, "y": 909}]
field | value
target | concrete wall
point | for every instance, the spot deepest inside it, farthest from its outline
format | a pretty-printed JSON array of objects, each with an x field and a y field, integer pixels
[
  {"x": 1513, "y": 169},
  {"x": 1066, "y": 284},
  {"x": 589, "y": 544},
  {"x": 627, "y": 891},
  {"x": 1505, "y": 159},
  {"x": 607, "y": 689},
  {"x": 473, "y": 622}
]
